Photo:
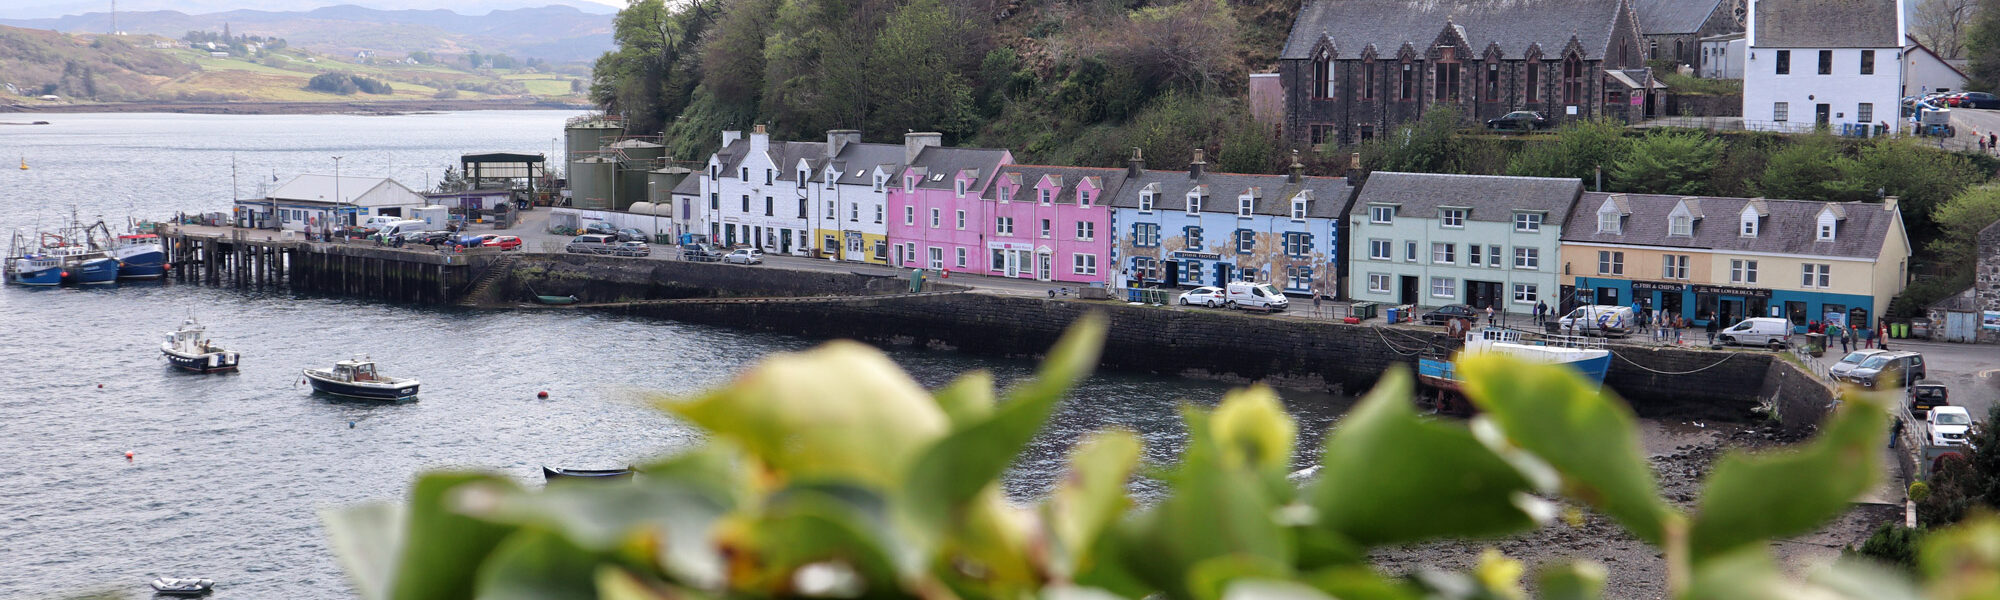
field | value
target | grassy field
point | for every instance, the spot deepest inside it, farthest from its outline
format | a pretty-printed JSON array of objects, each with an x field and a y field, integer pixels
[{"x": 282, "y": 76}]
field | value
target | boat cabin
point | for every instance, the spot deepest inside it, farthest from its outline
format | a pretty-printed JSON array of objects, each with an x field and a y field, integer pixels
[{"x": 355, "y": 370}]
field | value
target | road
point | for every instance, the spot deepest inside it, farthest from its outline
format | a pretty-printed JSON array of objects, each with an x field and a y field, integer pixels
[{"x": 1968, "y": 122}]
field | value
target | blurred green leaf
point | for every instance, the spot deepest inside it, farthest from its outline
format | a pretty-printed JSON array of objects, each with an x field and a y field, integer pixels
[
  {"x": 366, "y": 538},
  {"x": 1356, "y": 582},
  {"x": 614, "y": 583},
  {"x": 1590, "y": 438},
  {"x": 1866, "y": 579},
  {"x": 1389, "y": 476},
  {"x": 538, "y": 565},
  {"x": 1090, "y": 497},
  {"x": 1071, "y": 592},
  {"x": 827, "y": 521},
  {"x": 1271, "y": 589},
  {"x": 839, "y": 410},
  {"x": 968, "y": 399},
  {"x": 1209, "y": 578},
  {"x": 1580, "y": 580},
  {"x": 601, "y": 518},
  {"x": 1963, "y": 562},
  {"x": 1751, "y": 499},
  {"x": 1213, "y": 511},
  {"x": 1252, "y": 429},
  {"x": 442, "y": 546},
  {"x": 1749, "y": 574}
]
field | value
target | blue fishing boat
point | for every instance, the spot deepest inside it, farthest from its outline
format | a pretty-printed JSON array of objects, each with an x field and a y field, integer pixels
[
  {"x": 83, "y": 266},
  {"x": 189, "y": 349},
  {"x": 1586, "y": 355},
  {"x": 27, "y": 265},
  {"x": 140, "y": 256}
]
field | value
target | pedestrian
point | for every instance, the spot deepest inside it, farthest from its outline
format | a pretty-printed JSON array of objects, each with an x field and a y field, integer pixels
[
  {"x": 1489, "y": 316},
  {"x": 1317, "y": 295},
  {"x": 1680, "y": 323},
  {"x": 1541, "y": 313},
  {"x": 1895, "y": 431},
  {"x": 1714, "y": 325},
  {"x": 1992, "y": 139},
  {"x": 1982, "y": 145},
  {"x": 1882, "y": 335}
]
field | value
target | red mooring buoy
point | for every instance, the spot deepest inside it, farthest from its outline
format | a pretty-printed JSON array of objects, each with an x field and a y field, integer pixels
[
  {"x": 542, "y": 394},
  {"x": 128, "y": 456}
]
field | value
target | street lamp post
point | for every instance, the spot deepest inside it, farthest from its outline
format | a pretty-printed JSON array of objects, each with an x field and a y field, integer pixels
[{"x": 338, "y": 202}]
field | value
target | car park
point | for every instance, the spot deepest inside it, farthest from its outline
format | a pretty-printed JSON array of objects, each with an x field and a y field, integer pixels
[
  {"x": 1852, "y": 360},
  {"x": 591, "y": 243},
  {"x": 1449, "y": 312},
  {"x": 1949, "y": 426},
  {"x": 1203, "y": 296},
  {"x": 1887, "y": 369},
  {"x": 503, "y": 242},
  {"x": 632, "y": 249},
  {"x": 1928, "y": 395},
  {"x": 745, "y": 256},
  {"x": 1758, "y": 331},
  {"x": 1520, "y": 120}
]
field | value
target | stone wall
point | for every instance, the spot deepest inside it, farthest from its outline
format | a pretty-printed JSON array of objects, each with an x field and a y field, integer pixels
[
  {"x": 594, "y": 278},
  {"x": 1692, "y": 105},
  {"x": 1986, "y": 279},
  {"x": 1799, "y": 397}
]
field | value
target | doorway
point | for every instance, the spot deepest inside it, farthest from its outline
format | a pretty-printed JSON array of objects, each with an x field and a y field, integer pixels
[
  {"x": 1222, "y": 271},
  {"x": 1822, "y": 114},
  {"x": 1409, "y": 295},
  {"x": 1731, "y": 311},
  {"x": 1042, "y": 270},
  {"x": 1607, "y": 296},
  {"x": 1170, "y": 273},
  {"x": 1482, "y": 294}
]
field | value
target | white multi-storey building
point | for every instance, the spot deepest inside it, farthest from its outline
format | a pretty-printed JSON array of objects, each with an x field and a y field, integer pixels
[
  {"x": 1824, "y": 63},
  {"x": 755, "y": 195},
  {"x": 853, "y": 195}
]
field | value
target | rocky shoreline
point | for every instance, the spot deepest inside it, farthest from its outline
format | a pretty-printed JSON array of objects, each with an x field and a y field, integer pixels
[{"x": 388, "y": 107}]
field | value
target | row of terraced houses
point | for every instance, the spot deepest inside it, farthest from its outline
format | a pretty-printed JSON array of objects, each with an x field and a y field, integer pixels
[{"x": 1398, "y": 238}]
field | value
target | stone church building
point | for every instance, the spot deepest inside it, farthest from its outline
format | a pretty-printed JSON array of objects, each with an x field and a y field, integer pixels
[{"x": 1355, "y": 69}]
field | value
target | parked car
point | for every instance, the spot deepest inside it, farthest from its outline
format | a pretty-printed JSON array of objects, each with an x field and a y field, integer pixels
[
  {"x": 630, "y": 235},
  {"x": 503, "y": 242},
  {"x": 1976, "y": 100},
  {"x": 1927, "y": 395},
  {"x": 1600, "y": 319},
  {"x": 1949, "y": 426},
  {"x": 632, "y": 249},
  {"x": 1205, "y": 296},
  {"x": 700, "y": 252},
  {"x": 1905, "y": 366},
  {"x": 1251, "y": 295},
  {"x": 1849, "y": 362},
  {"x": 1522, "y": 120},
  {"x": 745, "y": 256},
  {"x": 1758, "y": 331},
  {"x": 601, "y": 228},
  {"x": 591, "y": 243},
  {"x": 1449, "y": 312}
]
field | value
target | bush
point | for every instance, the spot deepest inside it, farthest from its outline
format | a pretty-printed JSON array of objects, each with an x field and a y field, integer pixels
[
  {"x": 1667, "y": 162},
  {"x": 446, "y": 94},
  {"x": 347, "y": 84},
  {"x": 1580, "y": 148},
  {"x": 1893, "y": 544}
]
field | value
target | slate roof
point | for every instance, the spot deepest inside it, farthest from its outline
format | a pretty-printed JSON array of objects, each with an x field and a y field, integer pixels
[
  {"x": 1329, "y": 194},
  {"x": 1789, "y": 227},
  {"x": 1825, "y": 24},
  {"x": 951, "y": 161},
  {"x": 1029, "y": 176},
  {"x": 1489, "y": 197},
  {"x": 1668, "y": 17},
  {"x": 858, "y": 161},
  {"x": 785, "y": 155},
  {"x": 689, "y": 186},
  {"x": 1512, "y": 25}
]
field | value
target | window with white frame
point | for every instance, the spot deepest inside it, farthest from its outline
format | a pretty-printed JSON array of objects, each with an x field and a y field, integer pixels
[
  {"x": 1146, "y": 235},
  {"x": 1780, "y": 111},
  {"x": 1193, "y": 237},
  {"x": 1381, "y": 215},
  {"x": 1827, "y": 225},
  {"x": 1865, "y": 113},
  {"x": 802, "y": 179},
  {"x": 1493, "y": 256},
  {"x": 1146, "y": 202},
  {"x": 1047, "y": 228},
  {"x": 1086, "y": 231},
  {"x": 831, "y": 208},
  {"x": 1003, "y": 225},
  {"x": 1444, "y": 287},
  {"x": 1610, "y": 262},
  {"x": 1472, "y": 255},
  {"x": 1453, "y": 218},
  {"x": 961, "y": 220},
  {"x": 879, "y": 182},
  {"x": 1817, "y": 276},
  {"x": 1298, "y": 277},
  {"x": 1527, "y": 222},
  {"x": 1527, "y": 259},
  {"x": 1046, "y": 196},
  {"x": 909, "y": 184},
  {"x": 909, "y": 215},
  {"x": 961, "y": 257},
  {"x": 878, "y": 213},
  {"x": 1083, "y": 199},
  {"x": 1608, "y": 219},
  {"x": 958, "y": 186},
  {"x": 1379, "y": 250},
  {"x": 1297, "y": 244},
  {"x": 1742, "y": 271},
  {"x": 1526, "y": 293},
  {"x": 937, "y": 218},
  {"x": 1006, "y": 194},
  {"x": 937, "y": 257},
  {"x": 1749, "y": 224},
  {"x": 1084, "y": 264},
  {"x": 1674, "y": 266},
  {"x": 1378, "y": 283},
  {"x": 1409, "y": 251},
  {"x": 1243, "y": 205},
  {"x": 1246, "y": 241},
  {"x": 1444, "y": 254},
  {"x": 1193, "y": 202},
  {"x": 1299, "y": 209},
  {"x": 1680, "y": 225}
]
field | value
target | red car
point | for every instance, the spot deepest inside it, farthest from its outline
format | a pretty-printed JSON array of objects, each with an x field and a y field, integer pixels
[{"x": 504, "y": 242}]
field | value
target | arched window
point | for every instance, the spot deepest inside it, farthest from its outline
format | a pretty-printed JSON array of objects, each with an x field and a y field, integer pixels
[{"x": 1572, "y": 81}]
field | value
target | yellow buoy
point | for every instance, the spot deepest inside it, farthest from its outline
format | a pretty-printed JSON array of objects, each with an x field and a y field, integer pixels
[{"x": 24, "y": 163}]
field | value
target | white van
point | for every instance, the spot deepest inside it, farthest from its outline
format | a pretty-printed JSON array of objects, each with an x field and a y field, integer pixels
[
  {"x": 1600, "y": 319},
  {"x": 395, "y": 228},
  {"x": 1260, "y": 296},
  {"x": 377, "y": 221},
  {"x": 1758, "y": 331}
]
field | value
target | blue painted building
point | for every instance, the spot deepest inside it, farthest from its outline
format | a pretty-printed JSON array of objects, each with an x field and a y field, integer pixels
[{"x": 1195, "y": 228}]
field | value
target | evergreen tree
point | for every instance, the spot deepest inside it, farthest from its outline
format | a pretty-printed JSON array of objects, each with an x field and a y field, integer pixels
[
  {"x": 918, "y": 85},
  {"x": 1812, "y": 168},
  {"x": 1579, "y": 150},
  {"x": 1982, "y": 45},
  {"x": 1667, "y": 162}
]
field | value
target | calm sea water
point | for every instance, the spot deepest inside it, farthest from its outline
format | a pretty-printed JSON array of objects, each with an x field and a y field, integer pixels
[{"x": 230, "y": 470}]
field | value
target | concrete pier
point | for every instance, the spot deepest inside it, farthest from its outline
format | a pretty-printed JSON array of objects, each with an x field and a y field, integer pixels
[{"x": 247, "y": 259}]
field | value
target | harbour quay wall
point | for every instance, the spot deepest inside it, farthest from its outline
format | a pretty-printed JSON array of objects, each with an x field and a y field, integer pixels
[
  {"x": 364, "y": 270},
  {"x": 594, "y": 279},
  {"x": 1226, "y": 346}
]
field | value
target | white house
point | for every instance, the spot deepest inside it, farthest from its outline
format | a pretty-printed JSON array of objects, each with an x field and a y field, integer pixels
[
  {"x": 1925, "y": 72},
  {"x": 854, "y": 197},
  {"x": 755, "y": 193},
  {"x": 1722, "y": 56},
  {"x": 1833, "y": 63},
  {"x": 307, "y": 201}
]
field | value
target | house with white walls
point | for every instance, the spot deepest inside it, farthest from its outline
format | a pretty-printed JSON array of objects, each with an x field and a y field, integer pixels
[{"x": 1824, "y": 63}]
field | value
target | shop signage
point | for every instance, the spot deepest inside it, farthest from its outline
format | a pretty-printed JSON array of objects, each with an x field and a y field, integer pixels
[
  {"x": 1655, "y": 286},
  {"x": 1197, "y": 255},
  {"x": 1729, "y": 291}
]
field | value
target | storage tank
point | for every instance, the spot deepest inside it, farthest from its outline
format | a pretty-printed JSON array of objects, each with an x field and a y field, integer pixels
[
  {"x": 631, "y": 188},
  {"x": 593, "y": 183},
  {"x": 636, "y": 157},
  {"x": 661, "y": 183},
  {"x": 590, "y": 135},
  {"x": 640, "y": 208}
]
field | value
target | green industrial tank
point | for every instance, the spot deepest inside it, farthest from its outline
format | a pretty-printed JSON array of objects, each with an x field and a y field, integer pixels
[
  {"x": 635, "y": 159},
  {"x": 593, "y": 183},
  {"x": 586, "y": 136}
]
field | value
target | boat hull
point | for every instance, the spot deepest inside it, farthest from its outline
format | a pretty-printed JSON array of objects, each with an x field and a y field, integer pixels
[
  {"x": 550, "y": 474},
  {"x": 361, "y": 390},
  {"x": 44, "y": 276},
  {"x": 141, "y": 262},
  {"x": 214, "y": 362},
  {"x": 91, "y": 271}
]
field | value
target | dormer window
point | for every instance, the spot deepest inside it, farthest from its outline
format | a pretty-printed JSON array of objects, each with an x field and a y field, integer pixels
[
  {"x": 1046, "y": 196},
  {"x": 743, "y": 173},
  {"x": 1681, "y": 225},
  {"x": 959, "y": 187},
  {"x": 1827, "y": 226},
  {"x": 1006, "y": 193},
  {"x": 1243, "y": 206},
  {"x": 1381, "y": 215},
  {"x": 1194, "y": 202},
  {"x": 879, "y": 182},
  {"x": 768, "y": 175},
  {"x": 1609, "y": 221},
  {"x": 1083, "y": 199},
  {"x": 1749, "y": 225},
  {"x": 802, "y": 179},
  {"x": 909, "y": 184},
  {"x": 1452, "y": 218},
  {"x": 1299, "y": 209},
  {"x": 1146, "y": 201}
]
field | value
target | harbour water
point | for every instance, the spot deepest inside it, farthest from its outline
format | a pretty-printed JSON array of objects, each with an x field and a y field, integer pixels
[{"x": 229, "y": 471}]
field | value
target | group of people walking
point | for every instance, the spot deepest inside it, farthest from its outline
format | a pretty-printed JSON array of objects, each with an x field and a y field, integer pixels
[{"x": 1851, "y": 338}]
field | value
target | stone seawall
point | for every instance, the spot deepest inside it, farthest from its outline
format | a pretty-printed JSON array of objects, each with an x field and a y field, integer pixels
[{"x": 612, "y": 279}]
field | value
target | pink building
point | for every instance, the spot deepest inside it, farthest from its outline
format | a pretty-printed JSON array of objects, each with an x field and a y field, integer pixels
[
  {"x": 937, "y": 220},
  {"x": 1051, "y": 223}
]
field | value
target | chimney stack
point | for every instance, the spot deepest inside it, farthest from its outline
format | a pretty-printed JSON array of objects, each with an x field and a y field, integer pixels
[
  {"x": 1135, "y": 166},
  {"x": 1298, "y": 169},
  {"x": 760, "y": 141},
  {"x": 914, "y": 143},
  {"x": 729, "y": 136},
  {"x": 1889, "y": 203},
  {"x": 1196, "y": 166},
  {"x": 838, "y": 139}
]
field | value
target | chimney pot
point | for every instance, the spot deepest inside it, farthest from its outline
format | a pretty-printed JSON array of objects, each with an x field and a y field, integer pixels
[{"x": 1196, "y": 166}]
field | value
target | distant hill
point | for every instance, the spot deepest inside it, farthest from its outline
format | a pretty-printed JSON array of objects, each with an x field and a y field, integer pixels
[
  {"x": 43, "y": 9},
  {"x": 552, "y": 33}
]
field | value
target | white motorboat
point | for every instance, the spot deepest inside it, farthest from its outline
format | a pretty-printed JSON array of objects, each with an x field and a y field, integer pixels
[
  {"x": 183, "y": 587},
  {"x": 188, "y": 348}
]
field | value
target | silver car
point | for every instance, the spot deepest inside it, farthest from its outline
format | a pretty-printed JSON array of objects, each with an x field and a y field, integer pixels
[
  {"x": 745, "y": 256},
  {"x": 1850, "y": 362},
  {"x": 631, "y": 249}
]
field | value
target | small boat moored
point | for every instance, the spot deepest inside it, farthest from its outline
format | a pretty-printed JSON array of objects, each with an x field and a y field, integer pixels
[
  {"x": 188, "y": 349},
  {"x": 358, "y": 379},
  {"x": 183, "y": 587},
  {"x": 556, "y": 300},
  {"x": 552, "y": 474}
]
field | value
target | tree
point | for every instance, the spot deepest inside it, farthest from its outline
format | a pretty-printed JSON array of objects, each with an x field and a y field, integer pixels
[
  {"x": 1248, "y": 147},
  {"x": 1812, "y": 168},
  {"x": 1982, "y": 45},
  {"x": 1922, "y": 177},
  {"x": 652, "y": 74},
  {"x": 1428, "y": 145},
  {"x": 1942, "y": 25},
  {"x": 1960, "y": 220},
  {"x": 1667, "y": 162},
  {"x": 732, "y": 59},
  {"x": 1189, "y": 46},
  {"x": 1579, "y": 150},
  {"x": 919, "y": 85}
]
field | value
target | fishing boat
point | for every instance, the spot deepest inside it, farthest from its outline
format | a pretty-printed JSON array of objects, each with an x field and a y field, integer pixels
[
  {"x": 357, "y": 379},
  {"x": 189, "y": 349},
  {"x": 556, "y": 300},
  {"x": 140, "y": 256},
  {"x": 552, "y": 473},
  {"x": 27, "y": 265},
  {"x": 1587, "y": 355},
  {"x": 183, "y": 587},
  {"x": 84, "y": 266}
]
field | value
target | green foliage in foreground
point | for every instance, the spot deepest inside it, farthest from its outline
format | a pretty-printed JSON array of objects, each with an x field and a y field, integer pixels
[{"x": 830, "y": 473}]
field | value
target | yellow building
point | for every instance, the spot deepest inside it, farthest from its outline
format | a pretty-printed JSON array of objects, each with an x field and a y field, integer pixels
[{"x": 1731, "y": 258}]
